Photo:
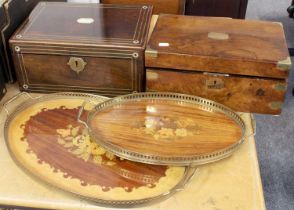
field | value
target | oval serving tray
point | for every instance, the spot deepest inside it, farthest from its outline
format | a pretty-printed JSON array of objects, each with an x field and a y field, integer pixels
[
  {"x": 166, "y": 128},
  {"x": 44, "y": 138}
]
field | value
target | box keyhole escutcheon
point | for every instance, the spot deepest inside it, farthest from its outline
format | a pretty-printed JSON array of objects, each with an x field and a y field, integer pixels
[{"x": 77, "y": 64}]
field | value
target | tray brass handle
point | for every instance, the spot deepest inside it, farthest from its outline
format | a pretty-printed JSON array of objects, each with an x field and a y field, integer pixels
[
  {"x": 81, "y": 111},
  {"x": 80, "y": 115},
  {"x": 17, "y": 96},
  {"x": 191, "y": 173},
  {"x": 77, "y": 64}
]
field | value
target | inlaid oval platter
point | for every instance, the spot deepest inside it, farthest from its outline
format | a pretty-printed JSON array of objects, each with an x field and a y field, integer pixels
[
  {"x": 166, "y": 128},
  {"x": 44, "y": 137}
]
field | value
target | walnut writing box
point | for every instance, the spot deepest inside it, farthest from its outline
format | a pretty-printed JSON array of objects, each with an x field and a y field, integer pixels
[{"x": 243, "y": 64}]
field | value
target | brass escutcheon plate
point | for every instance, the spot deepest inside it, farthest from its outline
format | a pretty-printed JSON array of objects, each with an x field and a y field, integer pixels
[{"x": 77, "y": 64}]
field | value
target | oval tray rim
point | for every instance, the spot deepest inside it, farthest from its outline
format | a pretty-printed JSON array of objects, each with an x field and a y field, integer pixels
[
  {"x": 189, "y": 173},
  {"x": 168, "y": 160}
]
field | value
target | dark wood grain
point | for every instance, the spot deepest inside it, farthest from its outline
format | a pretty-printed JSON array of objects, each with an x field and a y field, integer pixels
[
  {"x": 109, "y": 25},
  {"x": 245, "y": 94},
  {"x": 111, "y": 45},
  {"x": 222, "y": 45},
  {"x": 100, "y": 74},
  {"x": 2, "y": 82},
  {"x": 159, "y": 6},
  {"x": 17, "y": 11},
  {"x": 220, "y": 8},
  {"x": 41, "y": 134},
  {"x": 2, "y": 25},
  {"x": 243, "y": 9}
]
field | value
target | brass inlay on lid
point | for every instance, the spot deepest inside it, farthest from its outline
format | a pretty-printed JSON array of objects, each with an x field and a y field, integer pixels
[
  {"x": 85, "y": 20},
  {"x": 218, "y": 36}
]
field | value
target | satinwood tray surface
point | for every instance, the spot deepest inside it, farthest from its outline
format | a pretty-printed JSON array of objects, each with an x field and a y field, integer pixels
[
  {"x": 44, "y": 138},
  {"x": 166, "y": 128}
]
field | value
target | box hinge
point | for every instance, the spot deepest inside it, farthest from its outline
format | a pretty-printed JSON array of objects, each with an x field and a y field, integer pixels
[
  {"x": 284, "y": 65},
  {"x": 151, "y": 53},
  {"x": 275, "y": 105}
]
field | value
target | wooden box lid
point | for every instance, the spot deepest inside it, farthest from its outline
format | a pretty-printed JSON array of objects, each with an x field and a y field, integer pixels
[
  {"x": 159, "y": 6},
  {"x": 223, "y": 45},
  {"x": 57, "y": 23}
]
